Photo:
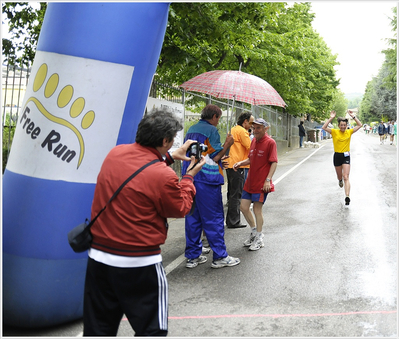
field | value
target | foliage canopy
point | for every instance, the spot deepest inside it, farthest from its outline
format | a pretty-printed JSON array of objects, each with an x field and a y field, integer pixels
[
  {"x": 24, "y": 24},
  {"x": 272, "y": 40},
  {"x": 380, "y": 99}
]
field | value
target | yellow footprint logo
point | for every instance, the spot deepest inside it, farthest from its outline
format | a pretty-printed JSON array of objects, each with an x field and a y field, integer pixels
[{"x": 64, "y": 98}]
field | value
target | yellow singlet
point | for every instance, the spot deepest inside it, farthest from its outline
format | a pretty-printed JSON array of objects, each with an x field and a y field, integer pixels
[{"x": 341, "y": 140}]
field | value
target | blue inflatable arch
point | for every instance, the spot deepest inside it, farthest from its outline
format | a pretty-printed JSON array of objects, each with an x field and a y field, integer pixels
[{"x": 87, "y": 93}]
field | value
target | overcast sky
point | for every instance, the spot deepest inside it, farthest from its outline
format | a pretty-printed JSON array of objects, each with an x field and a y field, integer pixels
[{"x": 356, "y": 31}]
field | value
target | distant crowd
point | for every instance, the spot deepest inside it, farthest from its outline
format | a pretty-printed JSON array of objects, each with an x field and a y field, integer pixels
[{"x": 385, "y": 130}]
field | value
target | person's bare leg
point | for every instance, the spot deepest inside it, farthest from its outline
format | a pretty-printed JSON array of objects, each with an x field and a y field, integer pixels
[
  {"x": 244, "y": 207},
  {"x": 338, "y": 169},
  {"x": 258, "y": 216},
  {"x": 345, "y": 172}
]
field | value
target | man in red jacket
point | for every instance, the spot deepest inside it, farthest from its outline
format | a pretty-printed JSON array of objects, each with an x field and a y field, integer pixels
[
  {"x": 124, "y": 270},
  {"x": 263, "y": 161}
]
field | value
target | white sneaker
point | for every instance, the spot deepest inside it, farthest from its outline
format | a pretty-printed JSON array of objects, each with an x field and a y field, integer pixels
[
  {"x": 205, "y": 250},
  {"x": 249, "y": 241},
  {"x": 257, "y": 243},
  {"x": 205, "y": 242},
  {"x": 228, "y": 261},
  {"x": 191, "y": 263}
]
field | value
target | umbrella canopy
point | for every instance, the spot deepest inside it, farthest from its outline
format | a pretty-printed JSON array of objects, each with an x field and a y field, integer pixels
[{"x": 235, "y": 85}]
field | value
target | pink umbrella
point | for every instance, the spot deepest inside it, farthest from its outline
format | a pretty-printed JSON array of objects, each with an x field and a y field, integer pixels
[{"x": 235, "y": 85}]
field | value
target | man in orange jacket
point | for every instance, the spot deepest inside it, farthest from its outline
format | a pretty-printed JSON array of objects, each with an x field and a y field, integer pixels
[{"x": 238, "y": 151}]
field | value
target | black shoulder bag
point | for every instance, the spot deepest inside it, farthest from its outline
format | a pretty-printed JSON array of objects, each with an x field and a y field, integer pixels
[{"x": 80, "y": 237}]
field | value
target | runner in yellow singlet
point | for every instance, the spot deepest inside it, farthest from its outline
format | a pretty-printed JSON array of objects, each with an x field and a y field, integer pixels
[{"x": 341, "y": 140}]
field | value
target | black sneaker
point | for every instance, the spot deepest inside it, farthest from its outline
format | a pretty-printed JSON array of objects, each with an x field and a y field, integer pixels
[
  {"x": 236, "y": 226},
  {"x": 347, "y": 200}
]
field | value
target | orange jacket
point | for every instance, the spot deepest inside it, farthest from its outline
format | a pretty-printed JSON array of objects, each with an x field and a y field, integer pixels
[{"x": 240, "y": 149}]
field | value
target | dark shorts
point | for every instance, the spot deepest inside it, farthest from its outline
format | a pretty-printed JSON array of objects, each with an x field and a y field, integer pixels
[
  {"x": 261, "y": 197},
  {"x": 341, "y": 159}
]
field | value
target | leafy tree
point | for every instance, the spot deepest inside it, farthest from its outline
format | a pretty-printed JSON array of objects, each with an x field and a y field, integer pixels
[
  {"x": 391, "y": 56},
  {"x": 369, "y": 109},
  {"x": 339, "y": 103},
  {"x": 379, "y": 102},
  {"x": 271, "y": 40},
  {"x": 385, "y": 96},
  {"x": 202, "y": 37},
  {"x": 299, "y": 65},
  {"x": 380, "y": 99},
  {"x": 24, "y": 24}
]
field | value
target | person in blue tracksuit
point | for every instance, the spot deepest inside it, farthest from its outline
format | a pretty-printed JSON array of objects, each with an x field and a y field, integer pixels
[{"x": 208, "y": 214}]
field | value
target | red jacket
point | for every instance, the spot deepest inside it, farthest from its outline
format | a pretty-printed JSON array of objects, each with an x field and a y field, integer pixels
[{"x": 134, "y": 223}]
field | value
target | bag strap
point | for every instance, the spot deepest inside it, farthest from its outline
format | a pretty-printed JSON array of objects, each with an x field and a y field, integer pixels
[{"x": 120, "y": 188}]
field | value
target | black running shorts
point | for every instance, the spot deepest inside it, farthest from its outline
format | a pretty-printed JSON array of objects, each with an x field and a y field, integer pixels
[{"x": 341, "y": 159}]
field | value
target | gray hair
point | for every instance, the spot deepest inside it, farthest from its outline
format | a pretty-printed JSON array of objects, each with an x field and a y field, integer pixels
[{"x": 160, "y": 123}]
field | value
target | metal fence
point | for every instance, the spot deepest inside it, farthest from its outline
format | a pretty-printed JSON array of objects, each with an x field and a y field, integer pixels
[
  {"x": 283, "y": 126},
  {"x": 14, "y": 80}
]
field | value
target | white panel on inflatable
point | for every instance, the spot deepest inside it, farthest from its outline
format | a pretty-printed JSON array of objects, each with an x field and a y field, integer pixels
[{"x": 87, "y": 93}]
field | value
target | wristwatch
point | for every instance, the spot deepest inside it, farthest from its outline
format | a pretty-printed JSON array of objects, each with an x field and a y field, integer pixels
[{"x": 268, "y": 180}]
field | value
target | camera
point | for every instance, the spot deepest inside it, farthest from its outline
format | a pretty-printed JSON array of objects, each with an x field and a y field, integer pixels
[{"x": 196, "y": 149}]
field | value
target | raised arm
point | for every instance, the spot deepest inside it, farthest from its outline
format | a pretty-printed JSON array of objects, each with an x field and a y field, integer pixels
[
  {"x": 325, "y": 126},
  {"x": 358, "y": 123}
]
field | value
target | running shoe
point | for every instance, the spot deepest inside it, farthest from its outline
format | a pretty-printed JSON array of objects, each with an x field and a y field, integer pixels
[
  {"x": 205, "y": 250},
  {"x": 205, "y": 242},
  {"x": 236, "y": 226},
  {"x": 341, "y": 183},
  {"x": 191, "y": 263},
  {"x": 347, "y": 200},
  {"x": 227, "y": 261},
  {"x": 257, "y": 243},
  {"x": 249, "y": 241}
]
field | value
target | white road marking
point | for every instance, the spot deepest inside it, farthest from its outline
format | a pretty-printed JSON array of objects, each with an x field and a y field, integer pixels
[
  {"x": 182, "y": 258},
  {"x": 296, "y": 166}
]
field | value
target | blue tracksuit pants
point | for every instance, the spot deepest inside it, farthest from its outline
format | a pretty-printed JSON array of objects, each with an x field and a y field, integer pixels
[{"x": 208, "y": 215}]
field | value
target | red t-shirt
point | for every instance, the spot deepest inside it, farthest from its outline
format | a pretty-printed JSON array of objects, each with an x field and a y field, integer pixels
[{"x": 261, "y": 155}]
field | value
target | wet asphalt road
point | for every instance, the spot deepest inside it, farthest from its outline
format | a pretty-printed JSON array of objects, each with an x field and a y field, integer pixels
[{"x": 327, "y": 270}]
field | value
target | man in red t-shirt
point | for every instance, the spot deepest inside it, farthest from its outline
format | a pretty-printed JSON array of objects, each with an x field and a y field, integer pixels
[{"x": 263, "y": 160}]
